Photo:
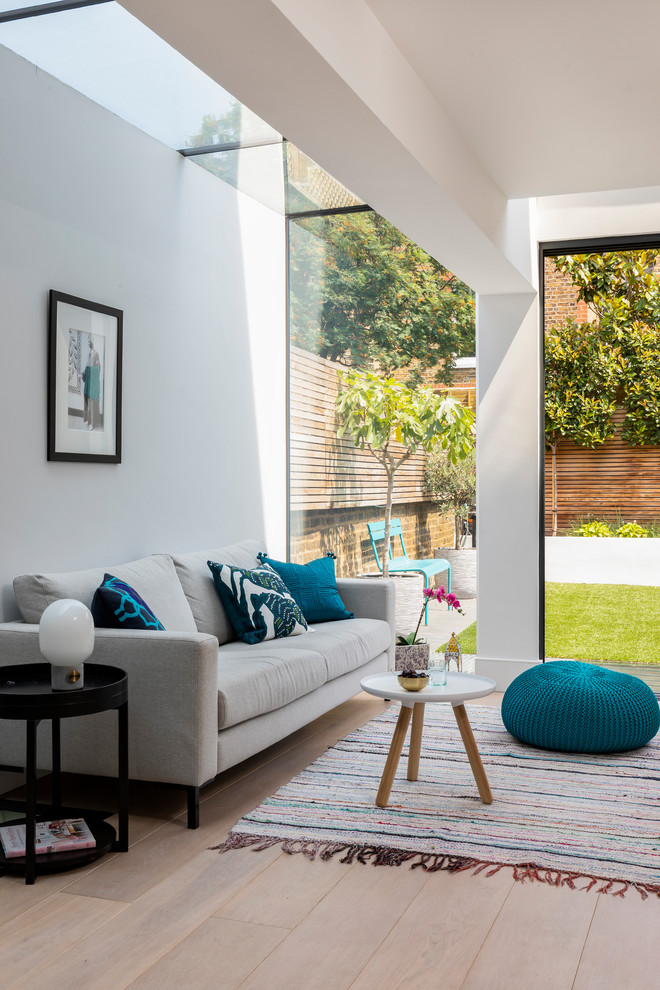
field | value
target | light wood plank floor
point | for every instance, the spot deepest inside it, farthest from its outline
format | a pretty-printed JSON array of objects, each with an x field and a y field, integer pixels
[{"x": 170, "y": 913}]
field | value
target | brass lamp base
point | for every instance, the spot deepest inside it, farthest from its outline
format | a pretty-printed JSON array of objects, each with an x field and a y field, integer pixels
[{"x": 67, "y": 678}]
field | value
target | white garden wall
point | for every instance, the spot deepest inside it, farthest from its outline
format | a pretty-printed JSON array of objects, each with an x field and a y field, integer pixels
[{"x": 602, "y": 560}]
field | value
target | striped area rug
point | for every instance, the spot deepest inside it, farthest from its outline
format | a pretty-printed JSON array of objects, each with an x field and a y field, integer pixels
[{"x": 561, "y": 818}]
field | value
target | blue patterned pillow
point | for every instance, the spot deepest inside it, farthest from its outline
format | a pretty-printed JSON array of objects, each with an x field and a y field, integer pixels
[
  {"x": 313, "y": 586},
  {"x": 118, "y": 606},
  {"x": 257, "y": 602}
]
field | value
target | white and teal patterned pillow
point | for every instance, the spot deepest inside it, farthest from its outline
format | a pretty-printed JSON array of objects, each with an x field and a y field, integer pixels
[{"x": 257, "y": 602}]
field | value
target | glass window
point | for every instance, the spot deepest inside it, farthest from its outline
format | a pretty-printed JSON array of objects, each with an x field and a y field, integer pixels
[
  {"x": 602, "y": 458},
  {"x": 255, "y": 171},
  {"x": 362, "y": 295},
  {"x": 309, "y": 187},
  {"x": 7, "y": 5},
  {"x": 111, "y": 57}
]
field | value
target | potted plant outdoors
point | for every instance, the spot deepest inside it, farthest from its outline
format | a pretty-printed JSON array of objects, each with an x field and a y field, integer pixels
[
  {"x": 412, "y": 653},
  {"x": 453, "y": 486},
  {"x": 393, "y": 422}
]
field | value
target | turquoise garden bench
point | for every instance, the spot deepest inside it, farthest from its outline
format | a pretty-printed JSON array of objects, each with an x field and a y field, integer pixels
[{"x": 429, "y": 567}]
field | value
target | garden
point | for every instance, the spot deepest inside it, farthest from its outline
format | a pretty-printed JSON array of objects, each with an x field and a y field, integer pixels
[{"x": 596, "y": 622}]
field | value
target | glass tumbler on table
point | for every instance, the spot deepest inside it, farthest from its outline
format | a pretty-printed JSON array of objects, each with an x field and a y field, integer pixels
[{"x": 438, "y": 673}]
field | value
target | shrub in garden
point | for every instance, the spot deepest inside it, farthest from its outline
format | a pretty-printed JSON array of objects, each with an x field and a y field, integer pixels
[
  {"x": 594, "y": 529},
  {"x": 632, "y": 529}
]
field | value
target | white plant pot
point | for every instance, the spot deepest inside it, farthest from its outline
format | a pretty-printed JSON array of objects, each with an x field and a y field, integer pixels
[
  {"x": 409, "y": 601},
  {"x": 463, "y": 565}
]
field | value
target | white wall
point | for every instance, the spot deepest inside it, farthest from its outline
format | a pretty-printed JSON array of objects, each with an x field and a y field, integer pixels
[
  {"x": 508, "y": 386},
  {"x": 93, "y": 207},
  {"x": 605, "y": 214},
  {"x": 597, "y": 560}
]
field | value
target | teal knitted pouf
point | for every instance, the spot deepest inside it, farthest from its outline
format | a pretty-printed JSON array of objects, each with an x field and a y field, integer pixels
[{"x": 578, "y": 707}]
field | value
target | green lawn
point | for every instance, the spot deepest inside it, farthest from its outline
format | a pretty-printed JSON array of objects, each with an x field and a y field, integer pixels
[{"x": 614, "y": 623}]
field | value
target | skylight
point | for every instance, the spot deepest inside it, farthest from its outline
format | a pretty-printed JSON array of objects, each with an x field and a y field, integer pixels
[{"x": 111, "y": 57}]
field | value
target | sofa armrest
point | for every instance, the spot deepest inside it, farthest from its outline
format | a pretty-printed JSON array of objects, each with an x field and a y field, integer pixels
[
  {"x": 371, "y": 598},
  {"x": 172, "y": 705}
]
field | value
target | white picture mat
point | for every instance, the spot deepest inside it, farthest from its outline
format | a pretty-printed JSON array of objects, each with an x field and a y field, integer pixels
[{"x": 101, "y": 325}]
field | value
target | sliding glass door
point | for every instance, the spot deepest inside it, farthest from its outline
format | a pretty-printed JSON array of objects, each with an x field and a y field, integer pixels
[{"x": 601, "y": 306}]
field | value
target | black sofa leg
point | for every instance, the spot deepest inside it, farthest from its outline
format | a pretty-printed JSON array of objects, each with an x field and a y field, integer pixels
[{"x": 193, "y": 806}]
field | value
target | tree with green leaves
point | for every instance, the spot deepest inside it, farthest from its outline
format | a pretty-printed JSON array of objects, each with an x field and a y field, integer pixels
[
  {"x": 236, "y": 123},
  {"x": 613, "y": 358},
  {"x": 393, "y": 421},
  {"x": 361, "y": 293},
  {"x": 580, "y": 392},
  {"x": 453, "y": 485},
  {"x": 364, "y": 295},
  {"x": 623, "y": 292}
]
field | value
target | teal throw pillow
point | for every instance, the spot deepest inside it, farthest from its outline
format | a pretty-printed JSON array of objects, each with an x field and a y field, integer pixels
[
  {"x": 314, "y": 587},
  {"x": 118, "y": 606},
  {"x": 257, "y": 602}
]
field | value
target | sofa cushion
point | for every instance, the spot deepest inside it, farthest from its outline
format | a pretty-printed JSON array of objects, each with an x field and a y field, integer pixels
[
  {"x": 197, "y": 583},
  {"x": 154, "y": 578},
  {"x": 261, "y": 678},
  {"x": 313, "y": 586},
  {"x": 264, "y": 677},
  {"x": 346, "y": 646},
  {"x": 257, "y": 602},
  {"x": 116, "y": 605}
]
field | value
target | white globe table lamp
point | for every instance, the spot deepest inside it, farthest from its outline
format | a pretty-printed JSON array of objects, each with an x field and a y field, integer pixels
[{"x": 66, "y": 639}]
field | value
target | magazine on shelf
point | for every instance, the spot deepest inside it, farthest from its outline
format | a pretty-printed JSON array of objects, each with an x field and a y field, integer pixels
[{"x": 60, "y": 835}]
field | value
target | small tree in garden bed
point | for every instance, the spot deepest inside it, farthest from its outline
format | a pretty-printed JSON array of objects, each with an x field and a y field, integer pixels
[
  {"x": 394, "y": 421},
  {"x": 580, "y": 392},
  {"x": 453, "y": 486}
]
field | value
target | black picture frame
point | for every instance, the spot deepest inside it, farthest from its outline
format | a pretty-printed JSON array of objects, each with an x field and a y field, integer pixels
[{"x": 84, "y": 380}]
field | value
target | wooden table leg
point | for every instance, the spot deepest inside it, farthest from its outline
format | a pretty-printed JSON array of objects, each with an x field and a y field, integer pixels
[
  {"x": 473, "y": 754},
  {"x": 415, "y": 740},
  {"x": 393, "y": 757}
]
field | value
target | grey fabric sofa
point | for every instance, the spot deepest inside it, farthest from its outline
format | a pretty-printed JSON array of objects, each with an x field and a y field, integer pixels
[{"x": 200, "y": 701}]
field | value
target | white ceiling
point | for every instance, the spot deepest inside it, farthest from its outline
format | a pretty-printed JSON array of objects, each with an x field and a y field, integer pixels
[{"x": 553, "y": 98}]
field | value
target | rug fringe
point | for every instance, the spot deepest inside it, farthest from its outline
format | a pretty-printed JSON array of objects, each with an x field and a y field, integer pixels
[{"x": 431, "y": 862}]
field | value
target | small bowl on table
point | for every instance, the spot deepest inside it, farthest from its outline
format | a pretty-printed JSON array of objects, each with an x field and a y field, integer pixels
[{"x": 413, "y": 680}]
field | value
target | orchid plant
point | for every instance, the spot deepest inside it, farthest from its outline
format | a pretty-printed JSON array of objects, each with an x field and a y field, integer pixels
[{"x": 429, "y": 594}]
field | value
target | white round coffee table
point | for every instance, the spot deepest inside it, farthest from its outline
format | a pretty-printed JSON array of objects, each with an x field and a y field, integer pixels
[{"x": 458, "y": 689}]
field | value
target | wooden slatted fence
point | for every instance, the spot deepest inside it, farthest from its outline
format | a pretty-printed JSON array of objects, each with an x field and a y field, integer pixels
[
  {"x": 328, "y": 472},
  {"x": 605, "y": 483}
]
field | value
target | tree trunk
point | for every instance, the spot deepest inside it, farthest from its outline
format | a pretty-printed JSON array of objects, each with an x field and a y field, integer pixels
[
  {"x": 553, "y": 449},
  {"x": 388, "y": 522}
]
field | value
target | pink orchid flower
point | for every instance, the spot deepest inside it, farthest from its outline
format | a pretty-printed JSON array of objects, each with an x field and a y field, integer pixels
[{"x": 428, "y": 594}]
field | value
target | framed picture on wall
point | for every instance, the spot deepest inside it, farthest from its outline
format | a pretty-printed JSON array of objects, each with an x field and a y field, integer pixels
[{"x": 84, "y": 380}]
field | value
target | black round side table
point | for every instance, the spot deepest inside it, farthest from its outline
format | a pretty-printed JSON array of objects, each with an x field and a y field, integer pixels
[{"x": 26, "y": 694}]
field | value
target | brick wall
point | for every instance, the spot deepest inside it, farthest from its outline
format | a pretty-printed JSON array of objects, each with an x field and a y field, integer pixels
[
  {"x": 344, "y": 531},
  {"x": 464, "y": 376},
  {"x": 561, "y": 298},
  {"x": 462, "y": 379}
]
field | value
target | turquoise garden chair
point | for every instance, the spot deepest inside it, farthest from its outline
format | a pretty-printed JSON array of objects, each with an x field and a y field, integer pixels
[{"x": 429, "y": 567}]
